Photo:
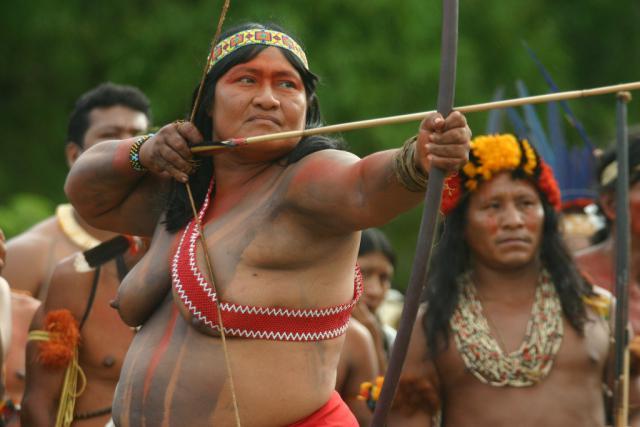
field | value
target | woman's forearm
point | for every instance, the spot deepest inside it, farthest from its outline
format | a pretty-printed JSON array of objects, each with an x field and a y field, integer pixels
[{"x": 109, "y": 194}]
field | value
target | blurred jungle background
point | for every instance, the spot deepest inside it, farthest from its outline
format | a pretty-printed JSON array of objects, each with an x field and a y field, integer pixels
[{"x": 375, "y": 58}]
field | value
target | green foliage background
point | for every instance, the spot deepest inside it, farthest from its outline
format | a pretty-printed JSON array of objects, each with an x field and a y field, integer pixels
[{"x": 375, "y": 58}]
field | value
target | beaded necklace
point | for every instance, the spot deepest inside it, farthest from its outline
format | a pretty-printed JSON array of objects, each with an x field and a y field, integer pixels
[{"x": 481, "y": 353}]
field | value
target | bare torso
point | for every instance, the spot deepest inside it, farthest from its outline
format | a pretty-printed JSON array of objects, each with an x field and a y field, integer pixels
[
  {"x": 264, "y": 253},
  {"x": 105, "y": 341},
  {"x": 570, "y": 396},
  {"x": 103, "y": 344}
]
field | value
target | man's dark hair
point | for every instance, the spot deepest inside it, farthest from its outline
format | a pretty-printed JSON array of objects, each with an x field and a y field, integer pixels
[
  {"x": 179, "y": 211},
  {"x": 451, "y": 259},
  {"x": 104, "y": 95},
  {"x": 374, "y": 240},
  {"x": 610, "y": 187}
]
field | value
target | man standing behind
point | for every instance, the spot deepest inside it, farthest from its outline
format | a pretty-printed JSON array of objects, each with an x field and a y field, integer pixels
[
  {"x": 81, "y": 287},
  {"x": 511, "y": 333},
  {"x": 598, "y": 261},
  {"x": 108, "y": 111}
]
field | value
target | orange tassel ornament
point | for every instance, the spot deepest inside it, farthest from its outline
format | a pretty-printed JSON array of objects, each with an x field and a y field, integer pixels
[{"x": 58, "y": 340}]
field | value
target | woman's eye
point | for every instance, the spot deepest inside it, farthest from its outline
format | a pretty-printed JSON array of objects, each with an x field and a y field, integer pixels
[{"x": 246, "y": 79}]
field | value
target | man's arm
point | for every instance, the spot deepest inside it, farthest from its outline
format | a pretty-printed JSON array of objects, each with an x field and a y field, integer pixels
[
  {"x": 347, "y": 193},
  {"x": 367, "y": 319},
  {"x": 362, "y": 365},
  {"x": 69, "y": 290},
  {"x": 27, "y": 265},
  {"x": 419, "y": 376},
  {"x": 43, "y": 384}
]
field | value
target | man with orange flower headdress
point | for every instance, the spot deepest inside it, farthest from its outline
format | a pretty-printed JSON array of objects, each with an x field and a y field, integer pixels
[{"x": 510, "y": 333}]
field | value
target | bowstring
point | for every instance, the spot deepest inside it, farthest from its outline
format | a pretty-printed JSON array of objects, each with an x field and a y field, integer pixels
[{"x": 196, "y": 217}]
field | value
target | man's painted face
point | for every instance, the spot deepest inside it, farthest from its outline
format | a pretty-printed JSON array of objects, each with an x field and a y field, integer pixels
[
  {"x": 504, "y": 224},
  {"x": 264, "y": 95},
  {"x": 117, "y": 122},
  {"x": 377, "y": 272}
]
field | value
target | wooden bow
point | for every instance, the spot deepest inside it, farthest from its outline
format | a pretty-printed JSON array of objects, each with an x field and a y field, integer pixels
[
  {"x": 203, "y": 241},
  {"x": 622, "y": 250},
  {"x": 426, "y": 234}
]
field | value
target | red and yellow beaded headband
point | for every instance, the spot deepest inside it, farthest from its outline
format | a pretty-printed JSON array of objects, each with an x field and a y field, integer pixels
[
  {"x": 492, "y": 154},
  {"x": 256, "y": 36}
]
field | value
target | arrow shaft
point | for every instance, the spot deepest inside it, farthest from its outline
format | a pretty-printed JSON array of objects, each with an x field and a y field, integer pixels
[{"x": 414, "y": 117}]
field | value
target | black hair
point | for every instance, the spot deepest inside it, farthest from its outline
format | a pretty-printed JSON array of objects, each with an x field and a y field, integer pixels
[
  {"x": 179, "y": 211},
  {"x": 610, "y": 187},
  {"x": 104, "y": 95},
  {"x": 374, "y": 240},
  {"x": 452, "y": 258}
]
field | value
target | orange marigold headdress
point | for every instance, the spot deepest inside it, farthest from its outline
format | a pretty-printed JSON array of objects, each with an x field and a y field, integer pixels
[{"x": 491, "y": 154}]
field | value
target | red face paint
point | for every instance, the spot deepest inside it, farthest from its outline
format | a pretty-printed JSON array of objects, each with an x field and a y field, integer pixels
[{"x": 504, "y": 222}]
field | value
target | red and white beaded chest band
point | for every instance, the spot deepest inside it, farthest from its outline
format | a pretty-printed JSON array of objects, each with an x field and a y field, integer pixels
[{"x": 270, "y": 323}]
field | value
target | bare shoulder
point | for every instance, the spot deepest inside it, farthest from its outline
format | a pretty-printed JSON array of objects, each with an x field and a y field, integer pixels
[
  {"x": 35, "y": 238},
  {"x": 321, "y": 165},
  {"x": 69, "y": 288},
  {"x": 29, "y": 255},
  {"x": 321, "y": 181},
  {"x": 358, "y": 335}
]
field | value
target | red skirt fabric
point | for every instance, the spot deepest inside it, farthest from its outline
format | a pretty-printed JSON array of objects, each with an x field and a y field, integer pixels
[{"x": 335, "y": 413}]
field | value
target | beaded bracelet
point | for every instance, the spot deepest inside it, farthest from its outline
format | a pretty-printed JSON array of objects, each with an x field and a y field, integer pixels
[{"x": 134, "y": 153}]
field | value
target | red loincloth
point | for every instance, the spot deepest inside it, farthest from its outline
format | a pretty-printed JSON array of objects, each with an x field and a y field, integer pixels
[{"x": 334, "y": 413}]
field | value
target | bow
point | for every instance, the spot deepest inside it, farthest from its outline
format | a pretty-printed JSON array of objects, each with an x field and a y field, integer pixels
[
  {"x": 622, "y": 250},
  {"x": 429, "y": 218},
  {"x": 203, "y": 241}
]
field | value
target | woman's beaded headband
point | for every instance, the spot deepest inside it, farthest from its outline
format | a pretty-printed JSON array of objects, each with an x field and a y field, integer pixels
[
  {"x": 492, "y": 154},
  {"x": 256, "y": 36}
]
